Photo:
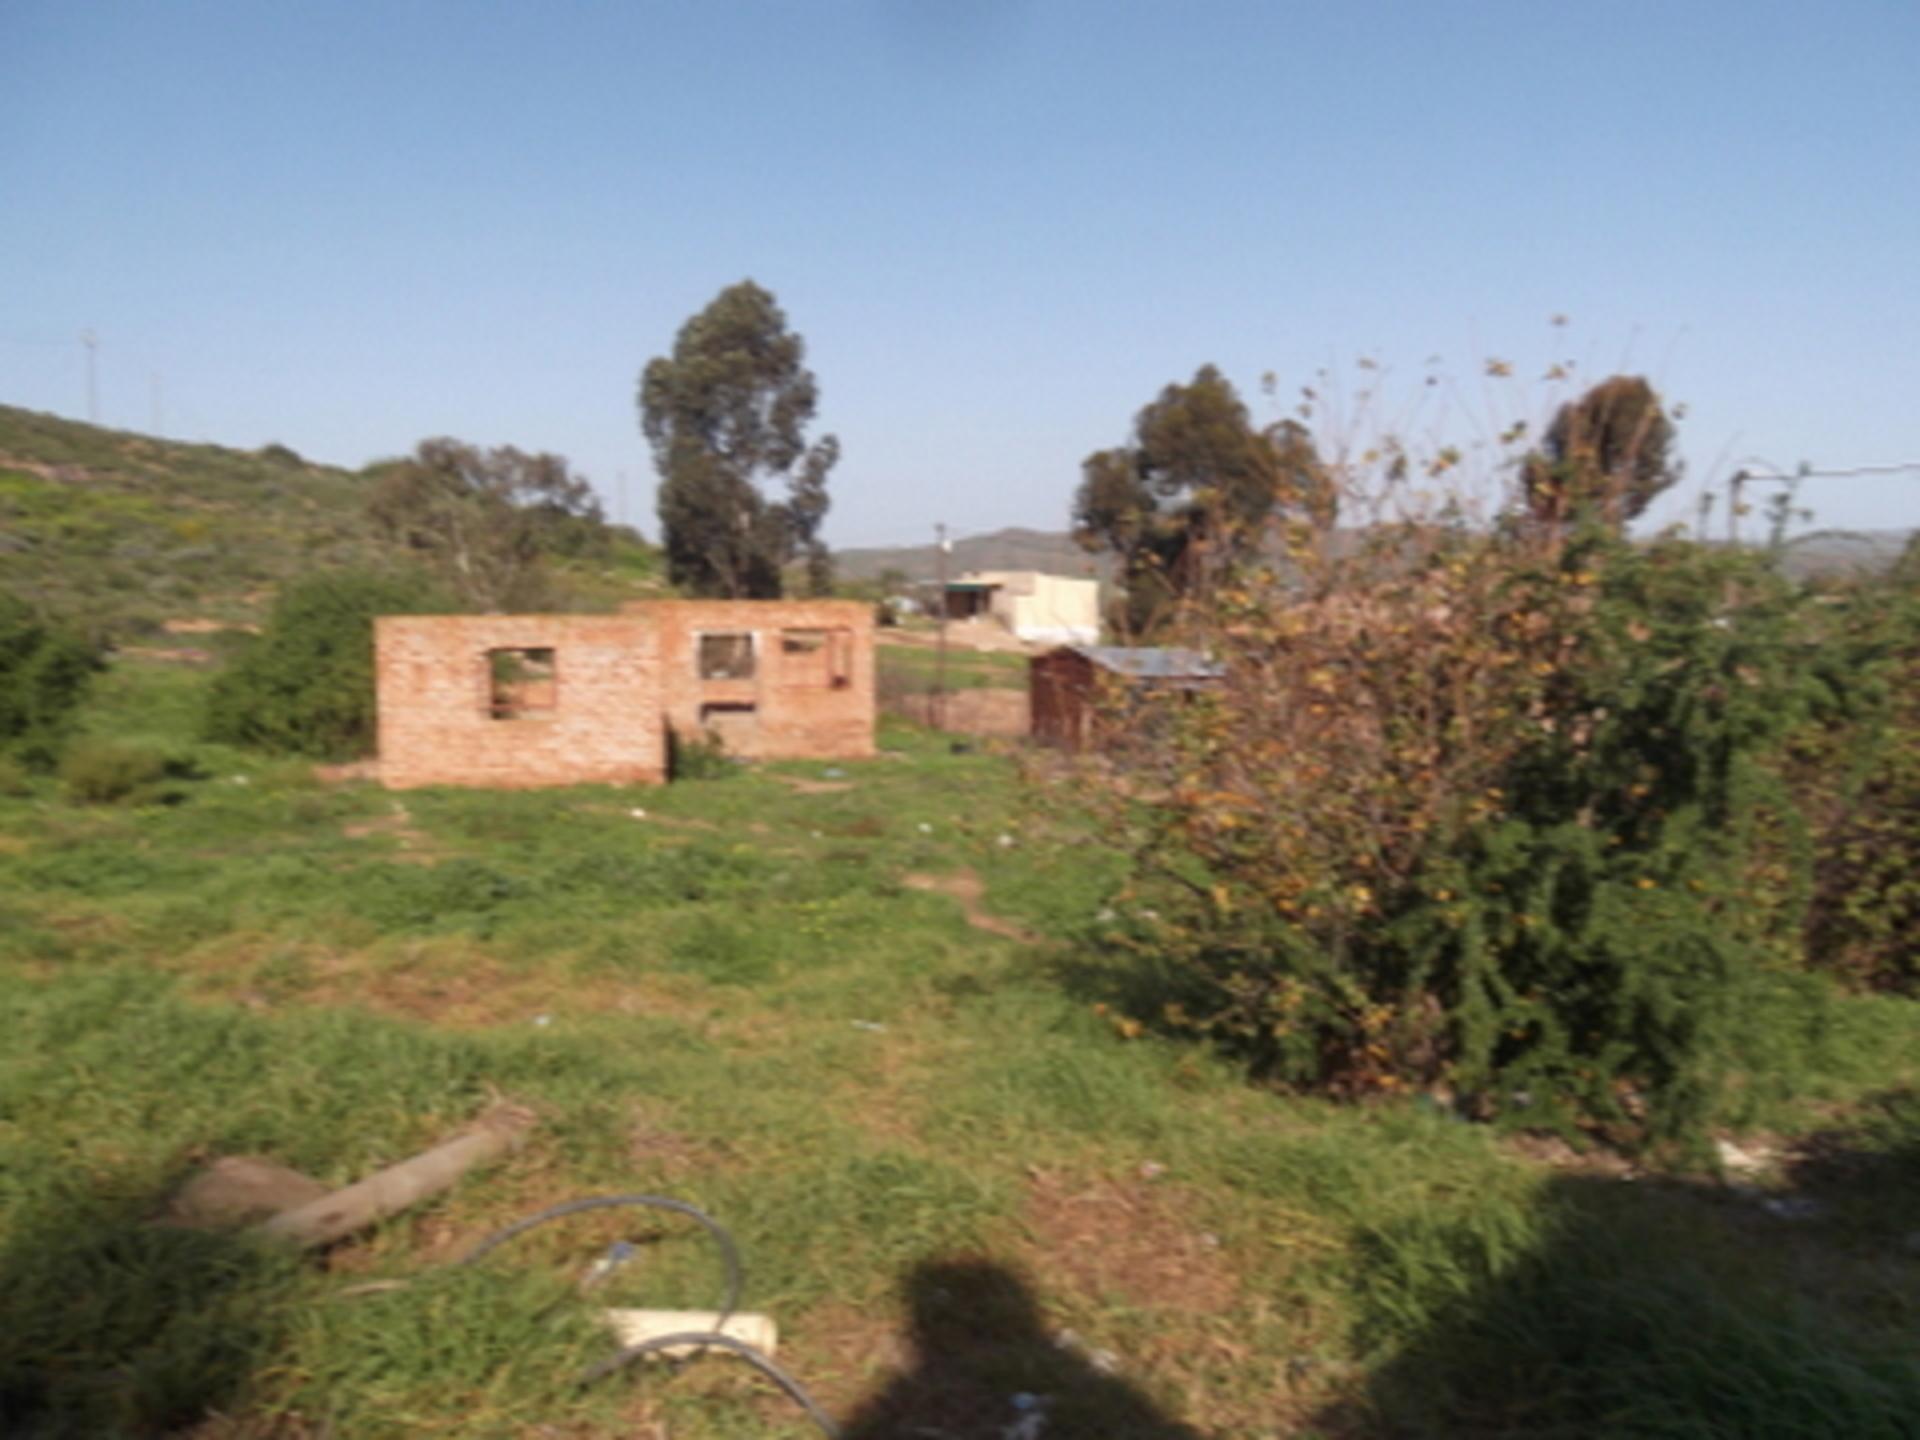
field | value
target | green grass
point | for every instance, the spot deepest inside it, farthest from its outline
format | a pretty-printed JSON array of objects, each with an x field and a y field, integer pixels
[
  {"x": 912, "y": 1126},
  {"x": 906, "y": 669},
  {"x": 122, "y": 532}
]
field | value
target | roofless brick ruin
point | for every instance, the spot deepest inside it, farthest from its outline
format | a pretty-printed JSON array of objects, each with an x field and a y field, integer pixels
[{"x": 527, "y": 700}]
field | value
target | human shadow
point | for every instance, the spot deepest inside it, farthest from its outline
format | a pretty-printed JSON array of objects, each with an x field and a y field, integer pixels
[
  {"x": 1781, "y": 1307},
  {"x": 986, "y": 1368},
  {"x": 111, "y": 1324}
]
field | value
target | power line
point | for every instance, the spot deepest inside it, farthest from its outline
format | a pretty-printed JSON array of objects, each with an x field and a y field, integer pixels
[
  {"x": 1904, "y": 467},
  {"x": 1743, "y": 476}
]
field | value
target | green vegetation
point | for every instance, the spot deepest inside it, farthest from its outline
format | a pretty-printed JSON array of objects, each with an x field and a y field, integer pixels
[
  {"x": 305, "y": 686},
  {"x": 1610, "y": 451},
  {"x": 122, "y": 532},
  {"x": 1192, "y": 494},
  {"x": 912, "y": 669},
  {"x": 44, "y": 673},
  {"x": 753, "y": 994},
  {"x": 489, "y": 523},
  {"x": 1854, "y": 773},
  {"x": 727, "y": 414},
  {"x": 108, "y": 772},
  {"x": 118, "y": 534},
  {"x": 1501, "y": 817}
]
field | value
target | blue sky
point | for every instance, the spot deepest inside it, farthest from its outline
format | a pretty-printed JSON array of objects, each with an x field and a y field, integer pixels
[{"x": 1001, "y": 226}]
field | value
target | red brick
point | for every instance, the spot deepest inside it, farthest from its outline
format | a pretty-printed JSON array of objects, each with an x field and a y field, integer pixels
[{"x": 619, "y": 682}]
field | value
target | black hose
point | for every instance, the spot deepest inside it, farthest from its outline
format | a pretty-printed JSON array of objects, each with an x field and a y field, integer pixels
[
  {"x": 705, "y": 1339},
  {"x": 714, "y": 1339},
  {"x": 729, "y": 1252}
]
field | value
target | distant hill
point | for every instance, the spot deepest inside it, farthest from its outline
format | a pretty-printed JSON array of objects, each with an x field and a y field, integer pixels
[
  {"x": 1825, "y": 554},
  {"x": 1013, "y": 549},
  {"x": 1835, "y": 554}
]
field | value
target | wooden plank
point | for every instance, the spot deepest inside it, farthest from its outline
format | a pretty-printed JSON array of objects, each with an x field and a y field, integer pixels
[{"x": 338, "y": 1214}]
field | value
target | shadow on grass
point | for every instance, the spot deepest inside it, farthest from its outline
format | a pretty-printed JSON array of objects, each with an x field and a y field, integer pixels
[
  {"x": 986, "y": 1368},
  {"x": 1656, "y": 1308},
  {"x": 110, "y": 1325}
]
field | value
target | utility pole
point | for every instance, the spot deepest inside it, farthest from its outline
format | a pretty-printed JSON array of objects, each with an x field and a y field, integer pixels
[
  {"x": 159, "y": 411},
  {"x": 940, "y": 664},
  {"x": 92, "y": 342}
]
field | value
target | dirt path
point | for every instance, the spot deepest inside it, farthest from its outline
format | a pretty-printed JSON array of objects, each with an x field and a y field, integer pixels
[{"x": 965, "y": 886}]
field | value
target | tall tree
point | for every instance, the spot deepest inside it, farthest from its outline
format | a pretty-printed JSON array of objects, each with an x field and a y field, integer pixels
[
  {"x": 726, "y": 415},
  {"x": 1192, "y": 492},
  {"x": 1608, "y": 453},
  {"x": 486, "y": 520}
]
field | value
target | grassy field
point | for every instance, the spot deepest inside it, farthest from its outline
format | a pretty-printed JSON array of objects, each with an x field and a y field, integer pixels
[
  {"x": 913, "y": 669},
  {"x": 858, "y": 1013}
]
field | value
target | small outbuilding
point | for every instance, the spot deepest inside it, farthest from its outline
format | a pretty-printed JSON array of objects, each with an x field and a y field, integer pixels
[
  {"x": 1032, "y": 606},
  {"x": 1076, "y": 690}
]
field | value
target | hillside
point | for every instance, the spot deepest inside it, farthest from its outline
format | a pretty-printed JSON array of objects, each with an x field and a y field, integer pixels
[
  {"x": 127, "y": 531},
  {"x": 1837, "y": 554},
  {"x": 1010, "y": 549},
  {"x": 1831, "y": 554}
]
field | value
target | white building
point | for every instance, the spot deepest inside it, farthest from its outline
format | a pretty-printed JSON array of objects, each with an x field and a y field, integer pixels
[{"x": 1040, "y": 609}]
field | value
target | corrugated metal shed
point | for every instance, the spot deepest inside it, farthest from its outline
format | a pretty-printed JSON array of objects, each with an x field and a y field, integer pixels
[
  {"x": 1075, "y": 693},
  {"x": 1152, "y": 662}
]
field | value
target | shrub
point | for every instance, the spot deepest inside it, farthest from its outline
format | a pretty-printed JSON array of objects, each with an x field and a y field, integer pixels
[
  {"x": 305, "y": 686},
  {"x": 1482, "y": 813},
  {"x": 108, "y": 772},
  {"x": 1855, "y": 773},
  {"x": 700, "y": 758},
  {"x": 14, "y": 779},
  {"x": 44, "y": 674}
]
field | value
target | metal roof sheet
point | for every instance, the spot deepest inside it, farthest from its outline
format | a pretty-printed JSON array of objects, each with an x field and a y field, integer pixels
[{"x": 1152, "y": 662}]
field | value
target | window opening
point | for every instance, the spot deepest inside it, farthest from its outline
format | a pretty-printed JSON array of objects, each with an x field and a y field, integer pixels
[
  {"x": 726, "y": 656},
  {"x": 822, "y": 658},
  {"x": 521, "y": 682},
  {"x": 732, "y": 723}
]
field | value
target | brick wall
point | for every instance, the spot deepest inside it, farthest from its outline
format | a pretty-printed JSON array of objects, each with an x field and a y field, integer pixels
[
  {"x": 596, "y": 719},
  {"x": 810, "y": 694}
]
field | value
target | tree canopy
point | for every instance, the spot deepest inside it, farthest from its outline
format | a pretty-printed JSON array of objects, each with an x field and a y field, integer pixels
[
  {"x": 726, "y": 414},
  {"x": 486, "y": 521},
  {"x": 1192, "y": 491},
  {"x": 305, "y": 685},
  {"x": 1609, "y": 453}
]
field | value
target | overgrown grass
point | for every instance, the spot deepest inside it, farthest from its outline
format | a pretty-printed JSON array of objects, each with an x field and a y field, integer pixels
[
  {"x": 734, "y": 996},
  {"x": 121, "y": 532},
  {"x": 913, "y": 669}
]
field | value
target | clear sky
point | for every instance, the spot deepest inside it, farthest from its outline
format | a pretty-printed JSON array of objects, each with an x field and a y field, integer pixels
[{"x": 1001, "y": 225}]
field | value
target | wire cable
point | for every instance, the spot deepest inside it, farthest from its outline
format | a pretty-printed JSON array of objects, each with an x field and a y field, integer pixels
[
  {"x": 712, "y": 1339},
  {"x": 729, "y": 1252}
]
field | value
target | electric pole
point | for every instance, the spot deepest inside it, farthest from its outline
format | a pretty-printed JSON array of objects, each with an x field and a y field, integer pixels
[
  {"x": 92, "y": 342},
  {"x": 940, "y": 664}
]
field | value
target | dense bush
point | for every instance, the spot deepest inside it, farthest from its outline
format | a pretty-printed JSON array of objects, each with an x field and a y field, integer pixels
[
  {"x": 305, "y": 686},
  {"x": 1487, "y": 814},
  {"x": 701, "y": 757},
  {"x": 1855, "y": 774},
  {"x": 107, "y": 772},
  {"x": 44, "y": 673}
]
